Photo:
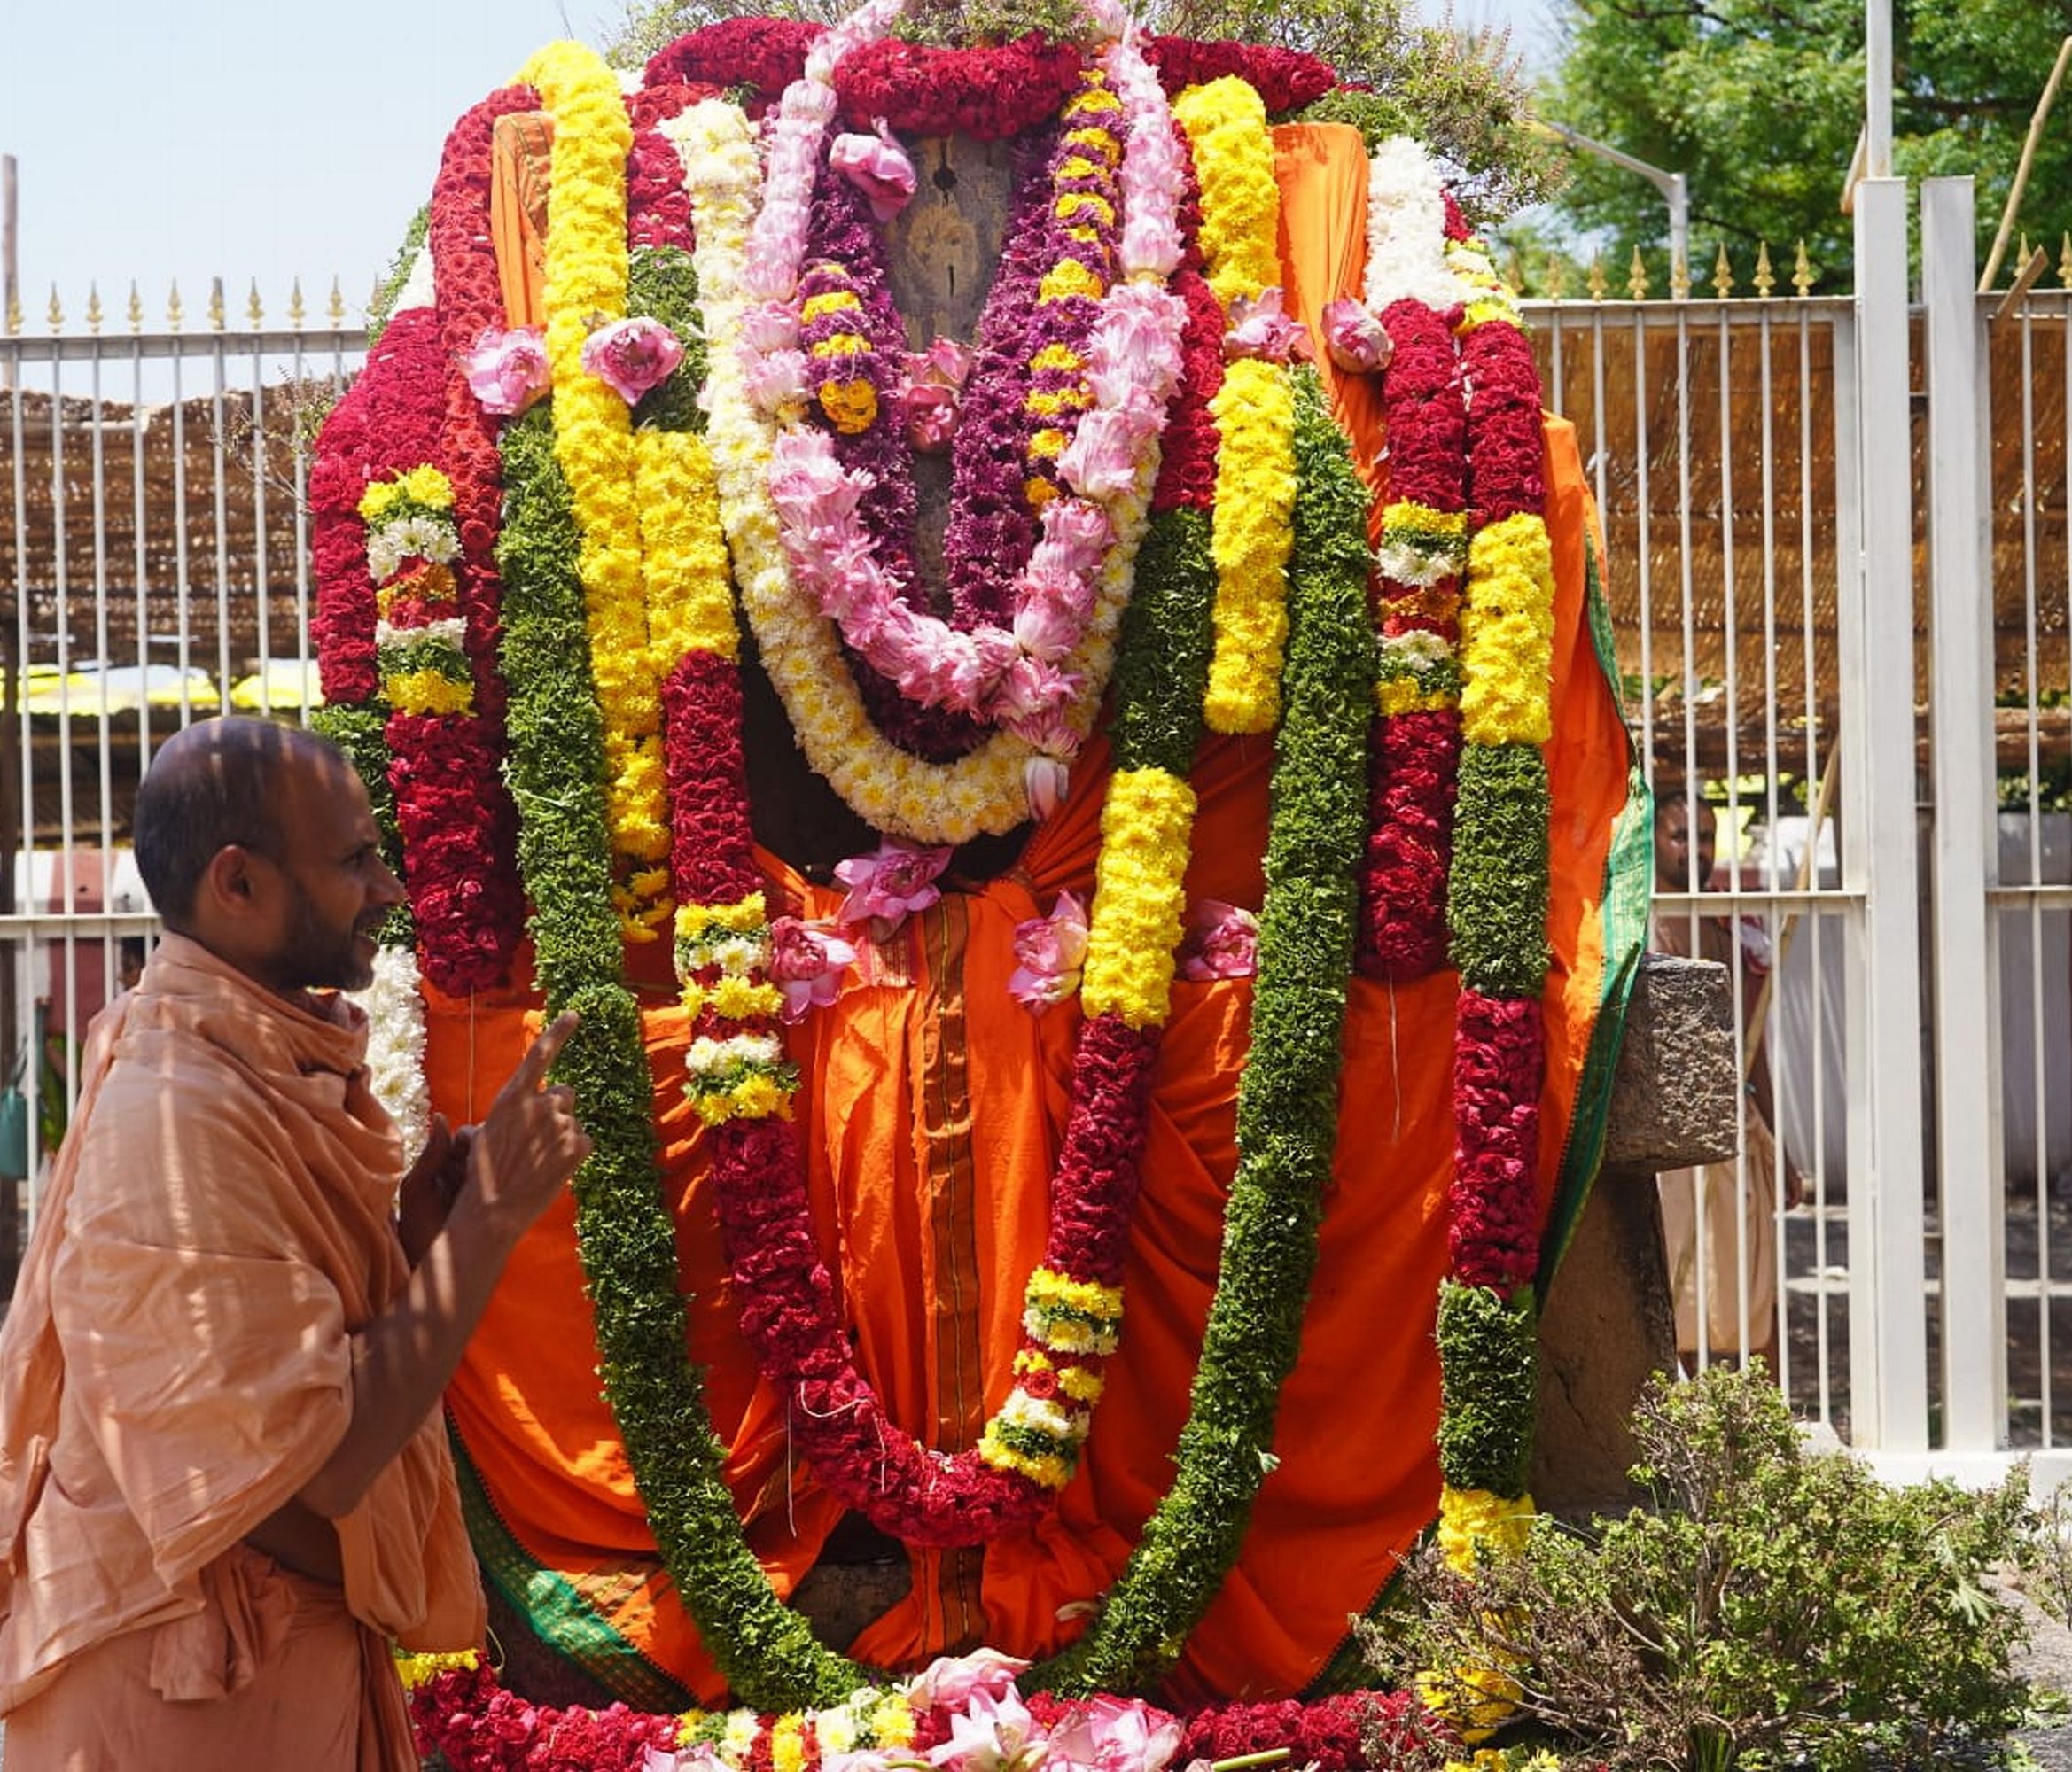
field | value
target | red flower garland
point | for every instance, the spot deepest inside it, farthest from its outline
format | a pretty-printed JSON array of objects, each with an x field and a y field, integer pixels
[
  {"x": 789, "y": 1314},
  {"x": 986, "y": 93},
  {"x": 386, "y": 423},
  {"x": 476, "y": 1726},
  {"x": 711, "y": 855},
  {"x": 1285, "y": 80},
  {"x": 1415, "y": 755},
  {"x": 766, "y": 54},
  {"x": 1494, "y": 1205},
  {"x": 458, "y": 825},
  {"x": 1187, "y": 463},
  {"x": 468, "y": 1718},
  {"x": 1344, "y": 1732},
  {"x": 1497, "y": 361}
]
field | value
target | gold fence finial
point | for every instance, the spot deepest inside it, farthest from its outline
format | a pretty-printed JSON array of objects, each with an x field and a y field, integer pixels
[
  {"x": 1557, "y": 276},
  {"x": 1723, "y": 273},
  {"x": 297, "y": 312},
  {"x": 93, "y": 305},
  {"x": 2065, "y": 260},
  {"x": 1802, "y": 272},
  {"x": 1596, "y": 282},
  {"x": 174, "y": 312},
  {"x": 253, "y": 312},
  {"x": 215, "y": 304},
  {"x": 14, "y": 317},
  {"x": 335, "y": 311},
  {"x": 1680, "y": 275},
  {"x": 56, "y": 311},
  {"x": 1637, "y": 276},
  {"x": 2022, "y": 250},
  {"x": 136, "y": 312},
  {"x": 1765, "y": 279}
]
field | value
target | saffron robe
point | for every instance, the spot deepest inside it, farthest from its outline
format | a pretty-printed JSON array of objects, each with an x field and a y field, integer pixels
[{"x": 177, "y": 1365}]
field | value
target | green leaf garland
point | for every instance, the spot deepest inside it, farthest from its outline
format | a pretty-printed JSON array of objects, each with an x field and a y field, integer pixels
[
  {"x": 1287, "y": 1112},
  {"x": 767, "y": 1653},
  {"x": 1496, "y": 896},
  {"x": 1488, "y": 1387}
]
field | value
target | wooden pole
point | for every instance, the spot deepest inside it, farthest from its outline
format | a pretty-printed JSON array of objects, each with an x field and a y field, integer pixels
[{"x": 2035, "y": 130}]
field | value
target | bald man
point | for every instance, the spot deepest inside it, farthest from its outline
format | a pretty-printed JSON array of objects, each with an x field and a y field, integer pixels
[{"x": 224, "y": 1486}]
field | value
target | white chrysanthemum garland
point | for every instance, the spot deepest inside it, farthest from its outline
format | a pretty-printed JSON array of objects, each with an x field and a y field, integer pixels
[{"x": 394, "y": 1008}]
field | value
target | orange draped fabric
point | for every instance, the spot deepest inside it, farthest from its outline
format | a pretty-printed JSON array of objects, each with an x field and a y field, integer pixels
[{"x": 929, "y": 1158}]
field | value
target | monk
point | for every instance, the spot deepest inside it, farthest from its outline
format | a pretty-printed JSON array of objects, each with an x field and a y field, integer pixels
[{"x": 225, "y": 1489}]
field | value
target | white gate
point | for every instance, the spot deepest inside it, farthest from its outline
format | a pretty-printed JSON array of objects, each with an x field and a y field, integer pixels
[{"x": 154, "y": 548}]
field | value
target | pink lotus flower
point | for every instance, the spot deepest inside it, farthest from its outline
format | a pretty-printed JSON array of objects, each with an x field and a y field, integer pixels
[
  {"x": 1051, "y": 950},
  {"x": 774, "y": 381},
  {"x": 1358, "y": 342},
  {"x": 1100, "y": 461},
  {"x": 1222, "y": 942},
  {"x": 507, "y": 371},
  {"x": 807, "y": 964},
  {"x": 632, "y": 356},
  {"x": 1109, "y": 1734},
  {"x": 886, "y": 887},
  {"x": 932, "y": 416},
  {"x": 878, "y": 166},
  {"x": 1260, "y": 327},
  {"x": 933, "y": 394},
  {"x": 1045, "y": 782},
  {"x": 953, "y": 1681},
  {"x": 770, "y": 326},
  {"x": 991, "y": 1735}
]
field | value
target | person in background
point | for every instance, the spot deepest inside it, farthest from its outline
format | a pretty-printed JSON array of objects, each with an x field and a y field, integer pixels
[
  {"x": 1737, "y": 1203},
  {"x": 225, "y": 1489},
  {"x": 129, "y": 963}
]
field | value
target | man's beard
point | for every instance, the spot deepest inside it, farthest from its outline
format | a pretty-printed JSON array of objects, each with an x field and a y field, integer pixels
[{"x": 315, "y": 957}]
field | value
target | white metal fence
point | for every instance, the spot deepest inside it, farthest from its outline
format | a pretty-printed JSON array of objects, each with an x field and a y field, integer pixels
[
  {"x": 154, "y": 546},
  {"x": 1881, "y": 723}
]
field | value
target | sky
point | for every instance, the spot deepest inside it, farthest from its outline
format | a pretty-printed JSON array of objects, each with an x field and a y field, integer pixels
[{"x": 270, "y": 140}]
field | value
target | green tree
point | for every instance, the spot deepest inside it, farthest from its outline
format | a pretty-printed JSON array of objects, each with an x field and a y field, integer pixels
[{"x": 1758, "y": 103}]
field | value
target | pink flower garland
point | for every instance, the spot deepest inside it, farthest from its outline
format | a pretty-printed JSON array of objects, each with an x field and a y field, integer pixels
[{"x": 1127, "y": 340}]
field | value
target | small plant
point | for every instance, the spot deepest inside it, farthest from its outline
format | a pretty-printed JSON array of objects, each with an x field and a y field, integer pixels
[{"x": 1776, "y": 1606}]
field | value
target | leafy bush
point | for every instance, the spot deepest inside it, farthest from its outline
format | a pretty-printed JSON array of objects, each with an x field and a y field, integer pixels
[{"x": 1778, "y": 1606}]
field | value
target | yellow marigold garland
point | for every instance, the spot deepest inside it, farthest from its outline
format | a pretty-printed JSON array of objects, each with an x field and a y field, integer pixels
[
  {"x": 1147, "y": 822},
  {"x": 1507, "y": 634},
  {"x": 586, "y": 282},
  {"x": 1226, "y": 125}
]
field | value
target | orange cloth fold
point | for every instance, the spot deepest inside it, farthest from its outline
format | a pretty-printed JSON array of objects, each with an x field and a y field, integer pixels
[
  {"x": 177, "y": 1357},
  {"x": 1358, "y": 1478}
]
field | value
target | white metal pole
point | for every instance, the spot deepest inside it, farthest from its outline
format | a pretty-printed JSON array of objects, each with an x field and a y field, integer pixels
[
  {"x": 1878, "y": 88},
  {"x": 1889, "y": 1339},
  {"x": 1969, "y": 1132}
]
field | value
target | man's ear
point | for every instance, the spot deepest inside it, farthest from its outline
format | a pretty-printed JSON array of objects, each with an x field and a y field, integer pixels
[{"x": 229, "y": 883}]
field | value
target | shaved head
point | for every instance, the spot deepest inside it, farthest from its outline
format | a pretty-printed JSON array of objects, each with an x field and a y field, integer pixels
[{"x": 216, "y": 784}]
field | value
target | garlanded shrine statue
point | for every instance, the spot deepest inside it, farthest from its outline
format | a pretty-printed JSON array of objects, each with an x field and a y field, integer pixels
[{"x": 1050, "y": 713}]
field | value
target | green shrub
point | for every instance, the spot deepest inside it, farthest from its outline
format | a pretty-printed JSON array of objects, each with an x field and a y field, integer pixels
[{"x": 1778, "y": 1606}]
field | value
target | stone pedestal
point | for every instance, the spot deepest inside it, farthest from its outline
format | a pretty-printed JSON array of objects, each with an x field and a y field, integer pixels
[{"x": 1608, "y": 1322}]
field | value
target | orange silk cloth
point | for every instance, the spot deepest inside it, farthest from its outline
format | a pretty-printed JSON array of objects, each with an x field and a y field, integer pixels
[
  {"x": 932, "y": 1112},
  {"x": 177, "y": 1362}
]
